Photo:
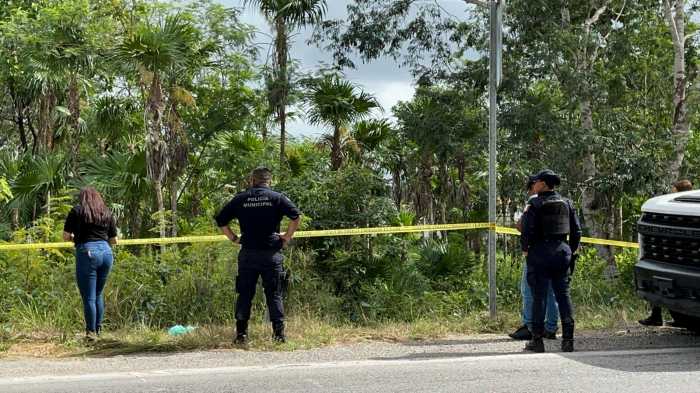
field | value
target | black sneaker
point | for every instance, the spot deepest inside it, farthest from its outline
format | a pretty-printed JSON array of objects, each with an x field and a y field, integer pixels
[
  {"x": 241, "y": 333},
  {"x": 567, "y": 345},
  {"x": 550, "y": 335},
  {"x": 279, "y": 338},
  {"x": 278, "y": 329},
  {"x": 523, "y": 333},
  {"x": 651, "y": 321},
  {"x": 535, "y": 345},
  {"x": 241, "y": 339}
]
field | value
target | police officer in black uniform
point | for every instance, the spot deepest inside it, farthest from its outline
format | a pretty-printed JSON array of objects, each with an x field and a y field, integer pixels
[
  {"x": 259, "y": 211},
  {"x": 547, "y": 223}
]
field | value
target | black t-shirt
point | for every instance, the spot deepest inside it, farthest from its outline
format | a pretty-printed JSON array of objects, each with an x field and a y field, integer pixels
[
  {"x": 259, "y": 211},
  {"x": 86, "y": 232}
]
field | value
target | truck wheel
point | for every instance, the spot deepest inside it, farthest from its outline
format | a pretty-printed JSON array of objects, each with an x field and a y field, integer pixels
[{"x": 686, "y": 321}]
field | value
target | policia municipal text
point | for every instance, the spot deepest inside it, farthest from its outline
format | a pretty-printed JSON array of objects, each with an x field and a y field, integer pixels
[
  {"x": 259, "y": 211},
  {"x": 546, "y": 224}
]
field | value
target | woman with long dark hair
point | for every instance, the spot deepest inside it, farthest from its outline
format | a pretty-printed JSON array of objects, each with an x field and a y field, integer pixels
[{"x": 91, "y": 227}]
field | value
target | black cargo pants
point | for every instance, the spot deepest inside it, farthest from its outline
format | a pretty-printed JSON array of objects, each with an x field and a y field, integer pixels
[
  {"x": 267, "y": 264},
  {"x": 549, "y": 262}
]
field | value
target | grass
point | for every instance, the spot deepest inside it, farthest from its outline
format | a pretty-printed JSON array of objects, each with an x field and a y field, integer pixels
[{"x": 303, "y": 331}]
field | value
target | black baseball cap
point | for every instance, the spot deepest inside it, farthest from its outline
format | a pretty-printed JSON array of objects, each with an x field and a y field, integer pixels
[{"x": 548, "y": 176}]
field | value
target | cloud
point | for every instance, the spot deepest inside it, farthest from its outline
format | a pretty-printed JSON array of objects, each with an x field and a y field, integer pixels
[
  {"x": 390, "y": 93},
  {"x": 382, "y": 77}
]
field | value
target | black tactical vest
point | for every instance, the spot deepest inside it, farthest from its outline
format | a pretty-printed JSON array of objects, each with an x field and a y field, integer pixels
[{"x": 554, "y": 216}]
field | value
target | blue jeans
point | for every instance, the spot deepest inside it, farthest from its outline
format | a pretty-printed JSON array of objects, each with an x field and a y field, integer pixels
[
  {"x": 528, "y": 303},
  {"x": 93, "y": 261}
]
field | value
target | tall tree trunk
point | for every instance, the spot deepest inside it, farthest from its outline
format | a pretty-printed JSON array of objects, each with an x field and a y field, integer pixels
[
  {"x": 21, "y": 129},
  {"x": 74, "y": 108},
  {"x": 281, "y": 49},
  {"x": 174, "y": 188},
  {"x": 195, "y": 199},
  {"x": 463, "y": 190},
  {"x": 675, "y": 17},
  {"x": 592, "y": 212},
  {"x": 47, "y": 104},
  {"x": 282, "y": 114},
  {"x": 263, "y": 131},
  {"x": 446, "y": 191},
  {"x": 19, "y": 114},
  {"x": 424, "y": 195},
  {"x": 336, "y": 154},
  {"x": 135, "y": 221},
  {"x": 35, "y": 136},
  {"x": 158, "y": 188},
  {"x": 397, "y": 189},
  {"x": 156, "y": 148},
  {"x": 178, "y": 150},
  {"x": 15, "y": 219}
]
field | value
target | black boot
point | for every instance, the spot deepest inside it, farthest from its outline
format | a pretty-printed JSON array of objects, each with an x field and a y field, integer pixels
[
  {"x": 567, "y": 335},
  {"x": 654, "y": 319},
  {"x": 241, "y": 333},
  {"x": 567, "y": 345},
  {"x": 278, "y": 329},
  {"x": 523, "y": 333},
  {"x": 536, "y": 344}
]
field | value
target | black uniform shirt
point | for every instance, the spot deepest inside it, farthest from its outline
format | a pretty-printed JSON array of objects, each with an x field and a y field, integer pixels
[
  {"x": 85, "y": 231},
  {"x": 259, "y": 211},
  {"x": 532, "y": 233}
]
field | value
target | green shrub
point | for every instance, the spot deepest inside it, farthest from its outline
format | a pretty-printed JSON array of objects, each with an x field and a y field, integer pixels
[{"x": 362, "y": 279}]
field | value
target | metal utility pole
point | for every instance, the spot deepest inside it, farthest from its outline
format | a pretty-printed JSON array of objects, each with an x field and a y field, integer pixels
[{"x": 495, "y": 22}]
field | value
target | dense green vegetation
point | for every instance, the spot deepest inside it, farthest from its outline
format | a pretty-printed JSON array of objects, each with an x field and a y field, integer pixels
[{"x": 165, "y": 107}]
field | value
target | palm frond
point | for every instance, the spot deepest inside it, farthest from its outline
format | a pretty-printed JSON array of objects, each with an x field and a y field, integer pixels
[
  {"x": 121, "y": 176},
  {"x": 295, "y": 12},
  {"x": 38, "y": 176},
  {"x": 333, "y": 101}
]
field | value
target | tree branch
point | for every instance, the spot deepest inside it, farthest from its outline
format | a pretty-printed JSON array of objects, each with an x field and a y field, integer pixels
[
  {"x": 617, "y": 18},
  {"x": 671, "y": 22},
  {"x": 593, "y": 19},
  {"x": 481, "y": 3}
]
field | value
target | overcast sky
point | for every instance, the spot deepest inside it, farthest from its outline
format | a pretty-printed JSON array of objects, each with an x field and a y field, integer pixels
[{"x": 383, "y": 78}]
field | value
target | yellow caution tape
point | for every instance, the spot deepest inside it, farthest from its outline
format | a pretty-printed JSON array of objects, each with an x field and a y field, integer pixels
[
  {"x": 507, "y": 231},
  {"x": 607, "y": 242},
  {"x": 390, "y": 230},
  {"x": 300, "y": 234},
  {"x": 319, "y": 233},
  {"x": 587, "y": 240}
]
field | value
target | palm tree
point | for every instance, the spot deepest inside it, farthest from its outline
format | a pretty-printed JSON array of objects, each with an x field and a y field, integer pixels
[
  {"x": 335, "y": 102},
  {"x": 72, "y": 57},
  {"x": 44, "y": 85},
  {"x": 284, "y": 16},
  {"x": 38, "y": 178},
  {"x": 370, "y": 135},
  {"x": 344, "y": 143},
  {"x": 155, "y": 49},
  {"x": 122, "y": 176},
  {"x": 198, "y": 53}
]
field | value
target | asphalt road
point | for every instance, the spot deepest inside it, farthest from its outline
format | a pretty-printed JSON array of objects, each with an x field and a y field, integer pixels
[
  {"x": 656, "y": 370},
  {"x": 635, "y": 360}
]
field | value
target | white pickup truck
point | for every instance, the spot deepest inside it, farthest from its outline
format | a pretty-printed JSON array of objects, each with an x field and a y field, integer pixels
[{"x": 668, "y": 271}]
